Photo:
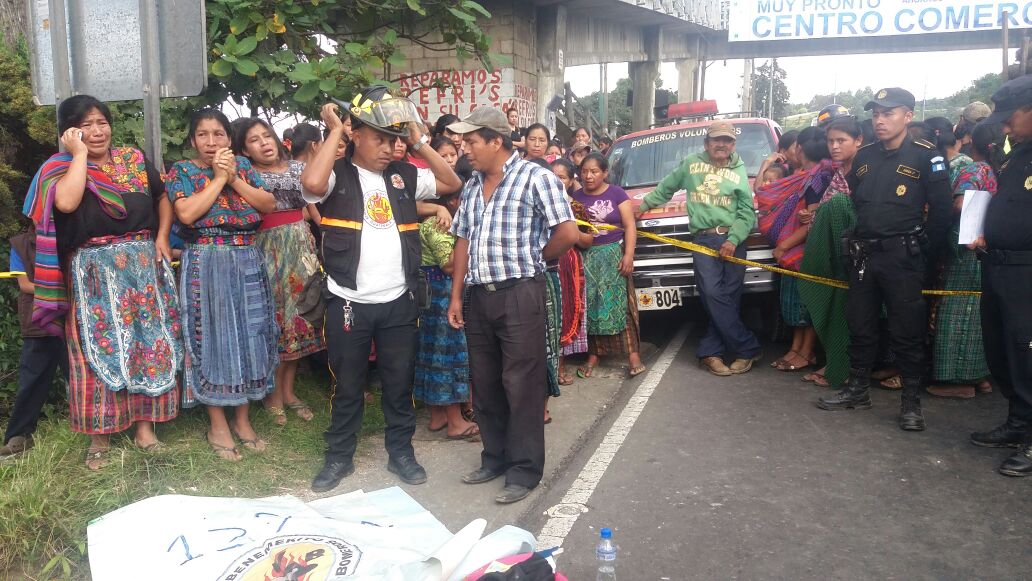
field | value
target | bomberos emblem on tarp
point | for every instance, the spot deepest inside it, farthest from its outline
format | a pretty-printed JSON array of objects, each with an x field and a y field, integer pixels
[{"x": 308, "y": 557}]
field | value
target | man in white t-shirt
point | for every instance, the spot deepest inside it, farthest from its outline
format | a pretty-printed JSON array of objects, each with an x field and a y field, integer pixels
[{"x": 371, "y": 254}]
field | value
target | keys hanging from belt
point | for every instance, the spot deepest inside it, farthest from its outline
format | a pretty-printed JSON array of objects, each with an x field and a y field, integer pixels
[
  {"x": 349, "y": 316},
  {"x": 858, "y": 256}
]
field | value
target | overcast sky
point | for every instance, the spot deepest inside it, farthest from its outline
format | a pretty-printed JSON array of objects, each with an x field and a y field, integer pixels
[{"x": 921, "y": 73}]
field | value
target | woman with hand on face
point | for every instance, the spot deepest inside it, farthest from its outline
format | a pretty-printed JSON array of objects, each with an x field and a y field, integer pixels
[
  {"x": 229, "y": 314},
  {"x": 608, "y": 265},
  {"x": 103, "y": 280},
  {"x": 289, "y": 249}
]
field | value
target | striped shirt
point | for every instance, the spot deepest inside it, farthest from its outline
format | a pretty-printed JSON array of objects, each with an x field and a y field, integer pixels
[{"x": 507, "y": 234}]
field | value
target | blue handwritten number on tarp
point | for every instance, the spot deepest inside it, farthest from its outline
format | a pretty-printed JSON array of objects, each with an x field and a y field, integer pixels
[
  {"x": 186, "y": 548},
  {"x": 242, "y": 533},
  {"x": 280, "y": 527}
]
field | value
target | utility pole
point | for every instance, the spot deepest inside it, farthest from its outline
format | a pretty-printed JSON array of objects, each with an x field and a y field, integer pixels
[
  {"x": 770, "y": 88},
  {"x": 1006, "y": 43},
  {"x": 747, "y": 86},
  {"x": 603, "y": 100}
]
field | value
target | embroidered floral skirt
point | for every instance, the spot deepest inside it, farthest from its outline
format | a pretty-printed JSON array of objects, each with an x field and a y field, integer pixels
[
  {"x": 442, "y": 365},
  {"x": 290, "y": 261},
  {"x": 123, "y": 335},
  {"x": 229, "y": 325}
]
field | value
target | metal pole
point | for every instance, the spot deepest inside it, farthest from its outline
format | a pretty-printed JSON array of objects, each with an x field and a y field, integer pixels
[
  {"x": 702, "y": 80},
  {"x": 151, "y": 59},
  {"x": 770, "y": 89},
  {"x": 1006, "y": 42},
  {"x": 605, "y": 97},
  {"x": 59, "y": 50}
]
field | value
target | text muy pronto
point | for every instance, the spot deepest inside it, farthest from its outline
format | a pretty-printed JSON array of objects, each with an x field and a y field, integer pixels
[{"x": 779, "y": 19}]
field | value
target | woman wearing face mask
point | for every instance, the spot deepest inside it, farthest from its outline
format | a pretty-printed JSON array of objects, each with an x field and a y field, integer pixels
[
  {"x": 103, "y": 280},
  {"x": 834, "y": 216},
  {"x": 290, "y": 258},
  {"x": 229, "y": 313},
  {"x": 608, "y": 264}
]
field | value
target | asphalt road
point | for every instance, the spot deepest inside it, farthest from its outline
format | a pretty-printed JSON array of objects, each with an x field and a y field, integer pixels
[{"x": 743, "y": 478}]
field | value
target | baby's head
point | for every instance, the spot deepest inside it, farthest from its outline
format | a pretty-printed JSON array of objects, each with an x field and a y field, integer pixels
[{"x": 773, "y": 173}]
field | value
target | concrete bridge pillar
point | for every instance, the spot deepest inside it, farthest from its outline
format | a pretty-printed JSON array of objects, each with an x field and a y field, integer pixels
[
  {"x": 643, "y": 80},
  {"x": 551, "y": 48},
  {"x": 687, "y": 80}
]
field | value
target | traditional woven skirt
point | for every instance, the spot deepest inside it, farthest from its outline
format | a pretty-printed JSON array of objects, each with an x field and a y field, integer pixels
[
  {"x": 123, "y": 335},
  {"x": 607, "y": 289},
  {"x": 793, "y": 309},
  {"x": 625, "y": 342},
  {"x": 553, "y": 329},
  {"x": 575, "y": 304},
  {"x": 290, "y": 261},
  {"x": 959, "y": 354},
  {"x": 229, "y": 324},
  {"x": 442, "y": 365}
]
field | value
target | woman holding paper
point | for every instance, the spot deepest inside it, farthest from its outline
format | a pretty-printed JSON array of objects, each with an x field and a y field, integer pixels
[{"x": 959, "y": 366}]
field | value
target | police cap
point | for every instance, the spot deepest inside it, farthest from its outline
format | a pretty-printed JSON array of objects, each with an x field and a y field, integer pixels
[
  {"x": 890, "y": 98},
  {"x": 1010, "y": 97}
]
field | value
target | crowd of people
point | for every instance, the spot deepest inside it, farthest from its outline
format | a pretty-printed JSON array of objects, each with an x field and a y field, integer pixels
[
  {"x": 347, "y": 244},
  {"x": 472, "y": 257}
]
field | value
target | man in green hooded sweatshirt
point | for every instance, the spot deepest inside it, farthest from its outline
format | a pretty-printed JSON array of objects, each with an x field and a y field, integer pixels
[{"x": 720, "y": 210}]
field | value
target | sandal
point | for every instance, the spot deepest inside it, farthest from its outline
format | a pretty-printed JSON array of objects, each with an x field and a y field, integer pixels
[
  {"x": 789, "y": 367},
  {"x": 469, "y": 415},
  {"x": 302, "y": 410},
  {"x": 548, "y": 418},
  {"x": 636, "y": 371},
  {"x": 152, "y": 447},
  {"x": 228, "y": 453},
  {"x": 821, "y": 381},
  {"x": 565, "y": 379},
  {"x": 777, "y": 363},
  {"x": 255, "y": 445},
  {"x": 279, "y": 415},
  {"x": 467, "y": 434},
  {"x": 97, "y": 459},
  {"x": 895, "y": 382},
  {"x": 586, "y": 371}
]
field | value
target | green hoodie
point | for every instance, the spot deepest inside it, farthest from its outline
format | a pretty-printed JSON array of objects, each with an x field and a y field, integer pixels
[{"x": 716, "y": 196}]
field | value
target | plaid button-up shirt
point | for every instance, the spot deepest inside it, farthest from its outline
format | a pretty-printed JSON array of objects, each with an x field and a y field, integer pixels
[{"x": 507, "y": 234}]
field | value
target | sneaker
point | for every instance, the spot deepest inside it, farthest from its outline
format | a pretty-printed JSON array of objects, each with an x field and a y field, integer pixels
[
  {"x": 716, "y": 366},
  {"x": 16, "y": 446}
]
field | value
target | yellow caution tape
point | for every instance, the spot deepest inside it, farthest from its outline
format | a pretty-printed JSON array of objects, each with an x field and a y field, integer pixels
[
  {"x": 14, "y": 274},
  {"x": 735, "y": 260}
]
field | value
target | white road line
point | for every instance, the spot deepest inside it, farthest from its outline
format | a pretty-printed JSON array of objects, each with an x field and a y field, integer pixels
[{"x": 563, "y": 515}]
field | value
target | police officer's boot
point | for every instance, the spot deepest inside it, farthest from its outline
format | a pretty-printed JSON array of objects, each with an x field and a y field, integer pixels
[
  {"x": 910, "y": 417},
  {"x": 854, "y": 396}
]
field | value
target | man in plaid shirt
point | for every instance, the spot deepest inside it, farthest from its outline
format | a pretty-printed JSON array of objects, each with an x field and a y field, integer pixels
[{"x": 513, "y": 216}]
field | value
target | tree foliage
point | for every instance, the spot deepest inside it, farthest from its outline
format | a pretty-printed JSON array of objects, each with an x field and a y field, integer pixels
[
  {"x": 770, "y": 100},
  {"x": 281, "y": 55},
  {"x": 619, "y": 111}
]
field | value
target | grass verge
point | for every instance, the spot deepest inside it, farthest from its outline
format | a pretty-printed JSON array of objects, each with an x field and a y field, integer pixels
[{"x": 49, "y": 496}]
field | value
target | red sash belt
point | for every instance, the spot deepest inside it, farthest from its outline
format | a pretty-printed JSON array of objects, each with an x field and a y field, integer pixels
[{"x": 280, "y": 218}]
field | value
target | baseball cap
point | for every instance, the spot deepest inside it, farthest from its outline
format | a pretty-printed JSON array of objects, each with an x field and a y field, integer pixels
[
  {"x": 975, "y": 112},
  {"x": 1011, "y": 96},
  {"x": 483, "y": 118},
  {"x": 892, "y": 97},
  {"x": 720, "y": 129}
]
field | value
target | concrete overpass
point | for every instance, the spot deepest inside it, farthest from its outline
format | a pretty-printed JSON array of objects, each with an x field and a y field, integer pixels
[{"x": 543, "y": 37}]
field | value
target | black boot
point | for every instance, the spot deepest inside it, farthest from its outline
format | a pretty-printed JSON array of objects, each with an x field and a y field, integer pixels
[
  {"x": 910, "y": 417},
  {"x": 1020, "y": 464},
  {"x": 1008, "y": 435},
  {"x": 854, "y": 396}
]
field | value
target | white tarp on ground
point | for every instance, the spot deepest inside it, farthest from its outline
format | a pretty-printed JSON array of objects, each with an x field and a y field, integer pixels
[{"x": 384, "y": 534}]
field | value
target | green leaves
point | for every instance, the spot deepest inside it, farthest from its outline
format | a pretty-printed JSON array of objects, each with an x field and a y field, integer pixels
[{"x": 289, "y": 55}]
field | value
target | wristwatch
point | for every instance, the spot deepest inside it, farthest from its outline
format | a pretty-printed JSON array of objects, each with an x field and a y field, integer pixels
[{"x": 423, "y": 140}]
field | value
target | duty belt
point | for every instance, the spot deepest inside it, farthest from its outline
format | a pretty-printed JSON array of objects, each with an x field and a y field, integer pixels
[
  {"x": 715, "y": 230},
  {"x": 1005, "y": 256},
  {"x": 497, "y": 286}
]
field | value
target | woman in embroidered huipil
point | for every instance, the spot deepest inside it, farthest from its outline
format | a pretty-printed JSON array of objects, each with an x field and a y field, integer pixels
[
  {"x": 228, "y": 310},
  {"x": 104, "y": 281},
  {"x": 290, "y": 258}
]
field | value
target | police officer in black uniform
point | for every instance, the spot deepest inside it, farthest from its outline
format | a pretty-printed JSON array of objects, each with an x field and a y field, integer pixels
[
  {"x": 1006, "y": 254},
  {"x": 892, "y": 182}
]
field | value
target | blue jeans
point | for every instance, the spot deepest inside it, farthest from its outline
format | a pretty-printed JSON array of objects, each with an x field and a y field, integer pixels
[{"x": 720, "y": 285}]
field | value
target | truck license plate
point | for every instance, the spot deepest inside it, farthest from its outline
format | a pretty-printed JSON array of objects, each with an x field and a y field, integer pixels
[{"x": 658, "y": 299}]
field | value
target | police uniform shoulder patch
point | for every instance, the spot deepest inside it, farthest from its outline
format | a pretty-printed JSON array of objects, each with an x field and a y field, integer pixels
[
  {"x": 925, "y": 144},
  {"x": 397, "y": 182},
  {"x": 900, "y": 190},
  {"x": 860, "y": 171},
  {"x": 1028, "y": 183}
]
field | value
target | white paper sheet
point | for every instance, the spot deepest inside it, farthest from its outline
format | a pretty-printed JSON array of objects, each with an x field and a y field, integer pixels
[{"x": 972, "y": 215}]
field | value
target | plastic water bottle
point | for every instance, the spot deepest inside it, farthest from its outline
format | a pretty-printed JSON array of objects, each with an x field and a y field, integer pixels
[{"x": 606, "y": 555}]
